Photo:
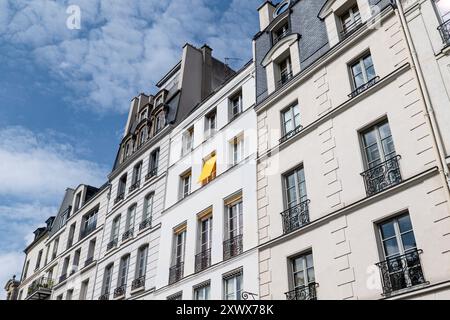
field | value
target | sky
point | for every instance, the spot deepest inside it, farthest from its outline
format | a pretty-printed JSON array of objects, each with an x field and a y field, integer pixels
[{"x": 66, "y": 82}]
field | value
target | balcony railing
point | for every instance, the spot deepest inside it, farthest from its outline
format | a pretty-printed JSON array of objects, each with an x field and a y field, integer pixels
[
  {"x": 296, "y": 217},
  {"x": 88, "y": 261},
  {"x": 401, "y": 272},
  {"x": 277, "y": 38},
  {"x": 43, "y": 286},
  {"x": 119, "y": 198},
  {"x": 112, "y": 244},
  {"x": 135, "y": 186},
  {"x": 145, "y": 224},
  {"x": 307, "y": 292},
  {"x": 444, "y": 30},
  {"x": 203, "y": 260},
  {"x": 364, "y": 87},
  {"x": 284, "y": 78},
  {"x": 138, "y": 283},
  {"x": 128, "y": 234},
  {"x": 382, "y": 176},
  {"x": 349, "y": 29},
  {"x": 88, "y": 230},
  {"x": 291, "y": 134},
  {"x": 104, "y": 296},
  {"x": 120, "y": 291},
  {"x": 152, "y": 173},
  {"x": 232, "y": 247},
  {"x": 176, "y": 273}
]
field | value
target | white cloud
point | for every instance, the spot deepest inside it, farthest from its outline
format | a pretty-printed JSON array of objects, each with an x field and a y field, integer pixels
[
  {"x": 41, "y": 167},
  {"x": 10, "y": 264},
  {"x": 124, "y": 47}
]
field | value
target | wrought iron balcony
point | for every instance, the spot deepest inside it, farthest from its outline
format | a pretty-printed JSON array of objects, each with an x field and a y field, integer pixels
[
  {"x": 176, "y": 273},
  {"x": 401, "y": 272},
  {"x": 128, "y": 234},
  {"x": 296, "y": 217},
  {"x": 120, "y": 291},
  {"x": 88, "y": 230},
  {"x": 291, "y": 134},
  {"x": 112, "y": 244},
  {"x": 145, "y": 224},
  {"x": 104, "y": 296},
  {"x": 203, "y": 260},
  {"x": 307, "y": 292},
  {"x": 62, "y": 277},
  {"x": 88, "y": 261},
  {"x": 444, "y": 30},
  {"x": 232, "y": 247},
  {"x": 382, "y": 176},
  {"x": 152, "y": 173},
  {"x": 138, "y": 283},
  {"x": 351, "y": 28},
  {"x": 119, "y": 198},
  {"x": 277, "y": 38},
  {"x": 284, "y": 78},
  {"x": 135, "y": 186},
  {"x": 40, "y": 289},
  {"x": 364, "y": 87}
]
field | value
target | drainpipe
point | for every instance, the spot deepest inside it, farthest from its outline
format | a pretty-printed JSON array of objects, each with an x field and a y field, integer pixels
[{"x": 429, "y": 111}]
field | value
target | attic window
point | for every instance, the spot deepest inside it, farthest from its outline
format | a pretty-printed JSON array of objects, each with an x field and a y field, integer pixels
[{"x": 282, "y": 8}]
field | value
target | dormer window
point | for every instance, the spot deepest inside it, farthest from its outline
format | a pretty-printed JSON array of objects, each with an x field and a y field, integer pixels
[
  {"x": 285, "y": 68},
  {"x": 160, "y": 122},
  {"x": 280, "y": 32},
  {"x": 350, "y": 21},
  {"x": 143, "y": 115},
  {"x": 159, "y": 101}
]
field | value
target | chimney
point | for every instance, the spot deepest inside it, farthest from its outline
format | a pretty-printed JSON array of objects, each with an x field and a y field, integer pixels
[
  {"x": 207, "y": 70},
  {"x": 266, "y": 11}
]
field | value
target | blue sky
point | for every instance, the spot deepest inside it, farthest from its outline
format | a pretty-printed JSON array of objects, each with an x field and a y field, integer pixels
[{"x": 64, "y": 93}]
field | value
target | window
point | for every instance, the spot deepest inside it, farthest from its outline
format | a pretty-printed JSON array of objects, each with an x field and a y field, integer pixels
[
  {"x": 296, "y": 214},
  {"x": 25, "y": 270},
  {"x": 91, "y": 251},
  {"x": 89, "y": 222},
  {"x": 76, "y": 260},
  {"x": 136, "y": 180},
  {"x": 69, "y": 294},
  {"x": 378, "y": 144},
  {"x": 77, "y": 201},
  {"x": 303, "y": 279},
  {"x": 203, "y": 256},
  {"x": 185, "y": 184},
  {"x": 60, "y": 297},
  {"x": 401, "y": 268},
  {"x": 143, "y": 115},
  {"x": 160, "y": 122},
  {"x": 206, "y": 233},
  {"x": 209, "y": 169},
  {"x": 46, "y": 254},
  {"x": 285, "y": 68},
  {"x": 350, "y": 20},
  {"x": 443, "y": 8},
  {"x": 38, "y": 261},
  {"x": 177, "y": 270},
  {"x": 188, "y": 138},
  {"x": 115, "y": 229},
  {"x": 55, "y": 248},
  {"x": 176, "y": 296},
  {"x": 65, "y": 268},
  {"x": 210, "y": 123},
  {"x": 129, "y": 223},
  {"x": 148, "y": 209},
  {"x": 290, "y": 119},
  {"x": 232, "y": 245},
  {"x": 233, "y": 286},
  {"x": 202, "y": 292},
  {"x": 123, "y": 271},
  {"x": 122, "y": 187},
  {"x": 235, "y": 105},
  {"x": 237, "y": 149},
  {"x": 143, "y": 135},
  {"x": 282, "y": 7},
  {"x": 280, "y": 32},
  {"x": 83, "y": 289},
  {"x": 71, "y": 235},
  {"x": 141, "y": 262},
  {"x": 154, "y": 163},
  {"x": 363, "y": 73},
  {"x": 107, "y": 277}
]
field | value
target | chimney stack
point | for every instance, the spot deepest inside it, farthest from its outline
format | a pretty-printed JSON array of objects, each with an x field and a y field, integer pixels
[{"x": 266, "y": 11}]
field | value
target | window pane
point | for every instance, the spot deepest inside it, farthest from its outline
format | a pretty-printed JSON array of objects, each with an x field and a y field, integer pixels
[
  {"x": 387, "y": 230},
  {"x": 373, "y": 154},
  {"x": 299, "y": 279},
  {"x": 311, "y": 277},
  {"x": 370, "y": 138},
  {"x": 409, "y": 241},
  {"x": 404, "y": 224},
  {"x": 391, "y": 247},
  {"x": 309, "y": 261},
  {"x": 385, "y": 130}
]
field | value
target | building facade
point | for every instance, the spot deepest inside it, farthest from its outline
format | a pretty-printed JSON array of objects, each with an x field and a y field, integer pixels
[
  {"x": 320, "y": 170},
  {"x": 353, "y": 200}
]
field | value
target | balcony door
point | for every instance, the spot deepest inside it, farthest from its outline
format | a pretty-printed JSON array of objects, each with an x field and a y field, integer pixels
[
  {"x": 443, "y": 8},
  {"x": 303, "y": 278}
]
